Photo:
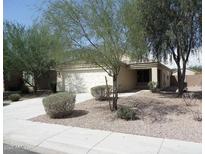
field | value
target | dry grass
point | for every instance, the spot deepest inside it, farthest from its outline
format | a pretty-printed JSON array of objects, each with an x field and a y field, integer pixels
[{"x": 163, "y": 115}]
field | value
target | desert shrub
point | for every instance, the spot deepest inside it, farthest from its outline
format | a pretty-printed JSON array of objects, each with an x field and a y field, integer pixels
[
  {"x": 152, "y": 86},
  {"x": 189, "y": 99},
  {"x": 59, "y": 105},
  {"x": 197, "y": 115},
  {"x": 14, "y": 97},
  {"x": 101, "y": 92},
  {"x": 126, "y": 113}
]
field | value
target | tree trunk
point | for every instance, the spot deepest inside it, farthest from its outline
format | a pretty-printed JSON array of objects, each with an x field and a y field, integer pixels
[
  {"x": 115, "y": 92},
  {"x": 181, "y": 77},
  {"x": 35, "y": 87},
  {"x": 108, "y": 94}
]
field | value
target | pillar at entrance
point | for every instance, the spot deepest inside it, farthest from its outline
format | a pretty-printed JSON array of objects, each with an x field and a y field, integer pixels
[{"x": 154, "y": 74}]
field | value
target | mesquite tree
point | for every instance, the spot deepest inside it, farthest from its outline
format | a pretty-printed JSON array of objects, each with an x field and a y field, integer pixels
[
  {"x": 172, "y": 29},
  {"x": 95, "y": 27}
]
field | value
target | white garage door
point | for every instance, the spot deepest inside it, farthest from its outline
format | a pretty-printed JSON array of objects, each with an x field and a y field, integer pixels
[{"x": 81, "y": 81}]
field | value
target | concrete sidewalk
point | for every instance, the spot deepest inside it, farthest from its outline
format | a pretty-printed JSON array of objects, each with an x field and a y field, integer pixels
[{"x": 51, "y": 139}]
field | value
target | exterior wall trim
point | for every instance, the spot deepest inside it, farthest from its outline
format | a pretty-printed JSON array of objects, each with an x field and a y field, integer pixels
[{"x": 148, "y": 65}]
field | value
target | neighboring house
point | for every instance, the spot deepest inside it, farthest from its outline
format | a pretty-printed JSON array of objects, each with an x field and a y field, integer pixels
[
  {"x": 192, "y": 78},
  {"x": 188, "y": 72},
  {"x": 80, "y": 78},
  {"x": 14, "y": 81}
]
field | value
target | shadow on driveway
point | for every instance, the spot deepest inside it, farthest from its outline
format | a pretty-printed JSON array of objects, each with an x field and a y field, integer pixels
[{"x": 8, "y": 149}]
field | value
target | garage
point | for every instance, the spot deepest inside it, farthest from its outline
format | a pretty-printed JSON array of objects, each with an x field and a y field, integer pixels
[{"x": 80, "y": 79}]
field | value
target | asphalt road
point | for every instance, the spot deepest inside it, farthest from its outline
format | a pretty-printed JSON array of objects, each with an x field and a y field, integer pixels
[{"x": 8, "y": 149}]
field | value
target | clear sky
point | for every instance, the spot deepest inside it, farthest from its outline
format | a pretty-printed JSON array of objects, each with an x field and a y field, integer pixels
[{"x": 22, "y": 11}]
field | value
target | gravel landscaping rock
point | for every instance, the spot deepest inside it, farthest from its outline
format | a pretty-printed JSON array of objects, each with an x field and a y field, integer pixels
[{"x": 162, "y": 115}]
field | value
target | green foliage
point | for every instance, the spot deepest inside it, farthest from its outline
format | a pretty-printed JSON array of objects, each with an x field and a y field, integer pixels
[
  {"x": 152, "y": 86},
  {"x": 95, "y": 27},
  {"x": 34, "y": 50},
  {"x": 168, "y": 23},
  {"x": 59, "y": 105},
  {"x": 14, "y": 36},
  {"x": 172, "y": 30},
  {"x": 14, "y": 97},
  {"x": 135, "y": 32},
  {"x": 100, "y": 92},
  {"x": 126, "y": 113}
]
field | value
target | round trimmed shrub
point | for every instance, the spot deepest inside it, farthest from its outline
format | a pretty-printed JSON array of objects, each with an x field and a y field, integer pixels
[
  {"x": 126, "y": 113},
  {"x": 14, "y": 97},
  {"x": 100, "y": 92},
  {"x": 59, "y": 105}
]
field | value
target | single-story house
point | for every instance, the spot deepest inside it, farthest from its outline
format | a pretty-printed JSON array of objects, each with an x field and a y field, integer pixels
[{"x": 81, "y": 78}]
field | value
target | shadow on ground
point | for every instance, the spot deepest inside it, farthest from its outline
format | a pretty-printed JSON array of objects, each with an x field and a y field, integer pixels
[
  {"x": 8, "y": 149},
  {"x": 170, "y": 94},
  {"x": 153, "y": 109},
  {"x": 75, "y": 114},
  {"x": 5, "y": 104}
]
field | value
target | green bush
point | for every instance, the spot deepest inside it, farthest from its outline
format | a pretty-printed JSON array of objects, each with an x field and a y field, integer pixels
[
  {"x": 14, "y": 97},
  {"x": 152, "y": 86},
  {"x": 100, "y": 92},
  {"x": 126, "y": 113},
  {"x": 59, "y": 105}
]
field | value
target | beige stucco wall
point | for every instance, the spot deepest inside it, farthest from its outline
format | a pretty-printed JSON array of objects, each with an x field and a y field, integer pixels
[
  {"x": 127, "y": 79},
  {"x": 165, "y": 78}
]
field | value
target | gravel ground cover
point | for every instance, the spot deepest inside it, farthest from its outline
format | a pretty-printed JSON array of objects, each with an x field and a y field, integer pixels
[{"x": 161, "y": 115}]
